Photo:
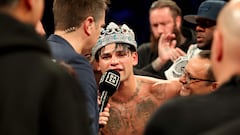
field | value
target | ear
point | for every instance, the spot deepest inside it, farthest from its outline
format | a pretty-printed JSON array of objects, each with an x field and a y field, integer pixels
[
  {"x": 214, "y": 86},
  {"x": 135, "y": 58},
  {"x": 217, "y": 46},
  {"x": 220, "y": 48},
  {"x": 28, "y": 4},
  {"x": 88, "y": 25},
  {"x": 178, "y": 21}
]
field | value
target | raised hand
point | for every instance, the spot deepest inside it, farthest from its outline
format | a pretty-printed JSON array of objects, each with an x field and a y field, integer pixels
[{"x": 167, "y": 48}]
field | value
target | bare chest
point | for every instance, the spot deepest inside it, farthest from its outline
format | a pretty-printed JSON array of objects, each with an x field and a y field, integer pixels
[{"x": 129, "y": 118}]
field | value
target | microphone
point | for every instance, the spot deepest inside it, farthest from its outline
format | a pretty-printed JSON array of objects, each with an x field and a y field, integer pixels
[{"x": 108, "y": 84}]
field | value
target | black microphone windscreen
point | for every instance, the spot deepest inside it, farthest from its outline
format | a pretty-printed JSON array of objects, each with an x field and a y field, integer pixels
[{"x": 109, "y": 81}]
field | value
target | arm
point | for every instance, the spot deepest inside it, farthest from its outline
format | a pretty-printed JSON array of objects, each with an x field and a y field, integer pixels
[{"x": 166, "y": 89}]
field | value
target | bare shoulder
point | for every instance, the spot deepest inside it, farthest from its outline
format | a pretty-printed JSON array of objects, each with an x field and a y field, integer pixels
[
  {"x": 169, "y": 84},
  {"x": 160, "y": 89},
  {"x": 168, "y": 88},
  {"x": 148, "y": 79},
  {"x": 158, "y": 83}
]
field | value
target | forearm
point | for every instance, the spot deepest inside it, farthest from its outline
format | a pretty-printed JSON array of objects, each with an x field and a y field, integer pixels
[{"x": 157, "y": 64}]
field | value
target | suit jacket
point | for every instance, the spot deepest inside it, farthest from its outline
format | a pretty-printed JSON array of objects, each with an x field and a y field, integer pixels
[
  {"x": 197, "y": 114},
  {"x": 37, "y": 96},
  {"x": 63, "y": 51}
]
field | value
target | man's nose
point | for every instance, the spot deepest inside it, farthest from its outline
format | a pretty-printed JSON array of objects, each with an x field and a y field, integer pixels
[
  {"x": 199, "y": 28},
  {"x": 160, "y": 29},
  {"x": 183, "y": 80},
  {"x": 114, "y": 60}
]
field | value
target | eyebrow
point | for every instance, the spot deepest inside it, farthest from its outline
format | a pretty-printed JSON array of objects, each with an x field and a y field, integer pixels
[
  {"x": 189, "y": 73},
  {"x": 110, "y": 52}
]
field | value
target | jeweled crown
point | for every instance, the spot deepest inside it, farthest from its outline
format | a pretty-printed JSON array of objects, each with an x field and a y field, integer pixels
[{"x": 115, "y": 34}]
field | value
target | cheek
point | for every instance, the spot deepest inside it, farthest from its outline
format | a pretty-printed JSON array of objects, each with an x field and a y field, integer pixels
[
  {"x": 209, "y": 33},
  {"x": 170, "y": 28},
  {"x": 155, "y": 32},
  {"x": 195, "y": 90},
  {"x": 193, "y": 87},
  {"x": 129, "y": 63},
  {"x": 96, "y": 35},
  {"x": 199, "y": 89},
  {"x": 98, "y": 31},
  {"x": 209, "y": 36},
  {"x": 103, "y": 66}
]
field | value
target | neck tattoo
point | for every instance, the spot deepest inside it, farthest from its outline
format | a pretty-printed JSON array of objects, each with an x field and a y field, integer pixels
[{"x": 130, "y": 98}]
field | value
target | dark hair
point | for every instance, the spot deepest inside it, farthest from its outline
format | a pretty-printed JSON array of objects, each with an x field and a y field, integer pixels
[
  {"x": 130, "y": 47},
  {"x": 71, "y": 13},
  {"x": 206, "y": 54},
  {"x": 7, "y": 2}
]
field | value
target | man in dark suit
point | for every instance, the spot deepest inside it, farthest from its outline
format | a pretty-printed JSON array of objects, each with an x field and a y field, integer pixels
[
  {"x": 37, "y": 96},
  {"x": 77, "y": 28},
  {"x": 199, "y": 114}
]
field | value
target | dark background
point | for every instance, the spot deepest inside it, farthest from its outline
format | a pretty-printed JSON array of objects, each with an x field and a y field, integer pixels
[{"x": 134, "y": 13}]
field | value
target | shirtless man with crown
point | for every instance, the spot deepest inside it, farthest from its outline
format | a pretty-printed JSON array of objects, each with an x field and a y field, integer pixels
[{"x": 137, "y": 96}]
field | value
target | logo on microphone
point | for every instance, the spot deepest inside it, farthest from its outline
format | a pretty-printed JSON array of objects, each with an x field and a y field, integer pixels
[{"x": 112, "y": 79}]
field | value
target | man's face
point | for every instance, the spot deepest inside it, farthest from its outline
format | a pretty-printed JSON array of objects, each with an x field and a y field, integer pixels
[
  {"x": 161, "y": 21},
  {"x": 118, "y": 58},
  {"x": 204, "y": 32},
  {"x": 95, "y": 28},
  {"x": 195, "y": 79}
]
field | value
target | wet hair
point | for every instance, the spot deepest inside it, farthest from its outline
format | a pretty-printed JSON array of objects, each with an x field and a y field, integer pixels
[{"x": 130, "y": 47}]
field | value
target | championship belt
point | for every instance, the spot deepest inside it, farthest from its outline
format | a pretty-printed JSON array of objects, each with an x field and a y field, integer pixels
[{"x": 177, "y": 69}]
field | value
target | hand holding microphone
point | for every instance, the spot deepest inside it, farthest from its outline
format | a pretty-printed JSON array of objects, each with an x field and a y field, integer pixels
[{"x": 108, "y": 84}]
